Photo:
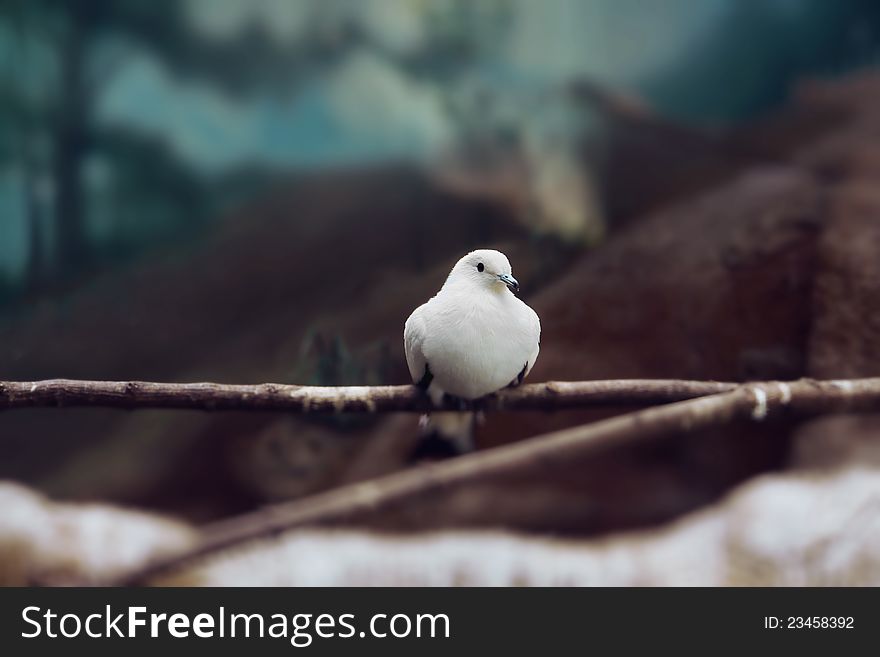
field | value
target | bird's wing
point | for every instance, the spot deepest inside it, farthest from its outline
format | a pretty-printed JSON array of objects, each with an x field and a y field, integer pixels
[
  {"x": 535, "y": 327},
  {"x": 414, "y": 332}
]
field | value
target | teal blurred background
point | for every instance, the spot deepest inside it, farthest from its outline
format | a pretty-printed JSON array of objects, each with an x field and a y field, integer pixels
[{"x": 127, "y": 125}]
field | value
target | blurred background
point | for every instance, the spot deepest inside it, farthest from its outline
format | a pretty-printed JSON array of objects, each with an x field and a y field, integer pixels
[{"x": 262, "y": 190}]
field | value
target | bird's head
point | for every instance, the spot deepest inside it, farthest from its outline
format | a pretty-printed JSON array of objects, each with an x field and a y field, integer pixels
[{"x": 484, "y": 267}]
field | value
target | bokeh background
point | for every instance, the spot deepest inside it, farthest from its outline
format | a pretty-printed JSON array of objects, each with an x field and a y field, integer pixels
[{"x": 262, "y": 190}]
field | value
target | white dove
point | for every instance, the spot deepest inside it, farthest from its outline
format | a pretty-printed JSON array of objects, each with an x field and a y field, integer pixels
[{"x": 473, "y": 338}]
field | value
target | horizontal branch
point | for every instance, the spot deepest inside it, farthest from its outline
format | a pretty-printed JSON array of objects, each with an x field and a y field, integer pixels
[
  {"x": 755, "y": 402},
  {"x": 548, "y": 396}
]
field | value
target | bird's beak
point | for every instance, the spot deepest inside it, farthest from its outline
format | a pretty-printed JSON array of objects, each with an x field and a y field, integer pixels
[{"x": 509, "y": 281}]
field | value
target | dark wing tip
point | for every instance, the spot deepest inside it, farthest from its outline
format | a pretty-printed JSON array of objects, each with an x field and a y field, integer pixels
[{"x": 426, "y": 379}]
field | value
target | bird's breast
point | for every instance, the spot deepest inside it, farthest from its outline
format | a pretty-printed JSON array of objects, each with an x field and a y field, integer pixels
[{"x": 477, "y": 347}]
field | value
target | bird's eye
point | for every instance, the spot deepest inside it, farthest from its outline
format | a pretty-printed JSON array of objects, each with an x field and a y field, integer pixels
[{"x": 480, "y": 266}]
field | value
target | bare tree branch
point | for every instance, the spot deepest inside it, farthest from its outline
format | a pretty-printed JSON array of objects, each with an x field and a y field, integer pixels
[
  {"x": 755, "y": 402},
  {"x": 349, "y": 399}
]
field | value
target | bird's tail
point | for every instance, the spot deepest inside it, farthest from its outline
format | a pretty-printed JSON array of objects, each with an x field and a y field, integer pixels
[{"x": 446, "y": 433}]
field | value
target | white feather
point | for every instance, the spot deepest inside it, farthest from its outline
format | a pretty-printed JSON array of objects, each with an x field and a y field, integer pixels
[{"x": 474, "y": 335}]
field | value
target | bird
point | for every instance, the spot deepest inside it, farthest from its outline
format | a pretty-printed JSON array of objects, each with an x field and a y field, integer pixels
[{"x": 471, "y": 339}]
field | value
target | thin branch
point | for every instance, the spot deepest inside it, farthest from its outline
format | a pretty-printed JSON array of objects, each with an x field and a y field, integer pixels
[
  {"x": 756, "y": 402},
  {"x": 548, "y": 396}
]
